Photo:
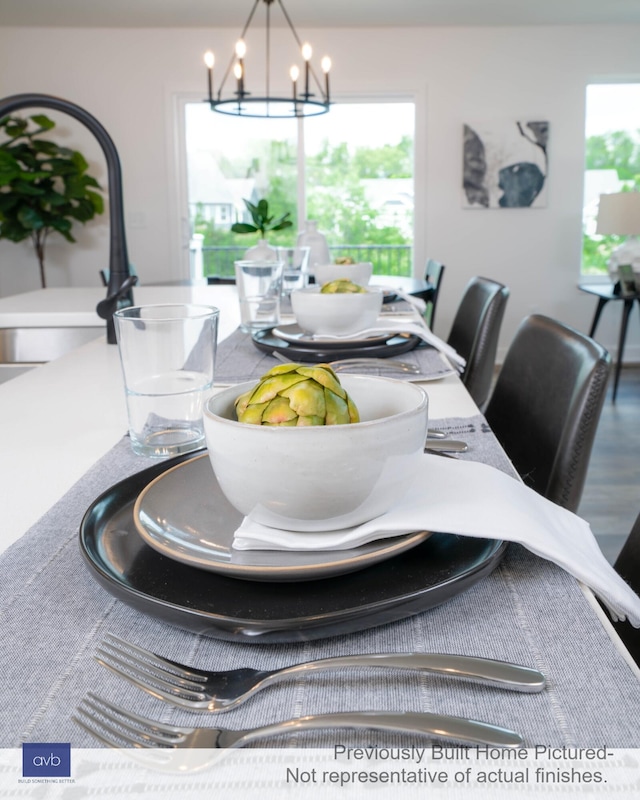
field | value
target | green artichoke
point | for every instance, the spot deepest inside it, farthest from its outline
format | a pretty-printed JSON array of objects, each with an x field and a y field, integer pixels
[
  {"x": 342, "y": 286},
  {"x": 295, "y": 395}
]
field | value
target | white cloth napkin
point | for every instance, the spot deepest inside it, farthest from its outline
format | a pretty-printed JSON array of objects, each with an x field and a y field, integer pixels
[
  {"x": 384, "y": 325},
  {"x": 417, "y": 302},
  {"x": 472, "y": 499}
]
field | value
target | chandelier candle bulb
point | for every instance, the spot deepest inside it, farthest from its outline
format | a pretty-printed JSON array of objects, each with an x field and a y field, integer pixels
[
  {"x": 326, "y": 67},
  {"x": 241, "y": 51},
  {"x": 307, "y": 52},
  {"x": 209, "y": 60},
  {"x": 237, "y": 71},
  {"x": 294, "y": 72}
]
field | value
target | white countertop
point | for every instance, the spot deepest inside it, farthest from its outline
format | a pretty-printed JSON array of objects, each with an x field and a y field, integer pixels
[{"x": 76, "y": 307}]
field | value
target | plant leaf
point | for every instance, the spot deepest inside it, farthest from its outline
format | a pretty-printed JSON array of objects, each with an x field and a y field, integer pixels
[
  {"x": 96, "y": 201},
  {"x": 25, "y": 187},
  {"x": 243, "y": 227},
  {"x": 9, "y": 168},
  {"x": 43, "y": 121},
  {"x": 281, "y": 226},
  {"x": 30, "y": 218},
  {"x": 80, "y": 161}
]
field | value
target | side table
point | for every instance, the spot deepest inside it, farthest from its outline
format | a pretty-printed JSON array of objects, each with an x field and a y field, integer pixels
[{"x": 604, "y": 292}]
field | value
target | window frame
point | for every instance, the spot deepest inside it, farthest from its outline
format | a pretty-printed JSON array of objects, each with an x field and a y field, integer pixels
[
  {"x": 606, "y": 80},
  {"x": 180, "y": 206}
]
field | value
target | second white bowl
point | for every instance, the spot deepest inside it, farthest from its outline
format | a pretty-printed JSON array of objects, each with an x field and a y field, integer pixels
[
  {"x": 337, "y": 314},
  {"x": 358, "y": 273}
]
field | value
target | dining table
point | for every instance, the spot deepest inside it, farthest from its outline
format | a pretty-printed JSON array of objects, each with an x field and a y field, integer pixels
[{"x": 64, "y": 445}]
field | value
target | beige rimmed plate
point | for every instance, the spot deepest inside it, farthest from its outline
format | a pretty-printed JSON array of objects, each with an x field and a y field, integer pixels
[{"x": 184, "y": 515}]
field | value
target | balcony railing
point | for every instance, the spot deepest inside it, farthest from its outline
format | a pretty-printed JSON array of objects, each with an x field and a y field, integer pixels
[{"x": 387, "y": 259}]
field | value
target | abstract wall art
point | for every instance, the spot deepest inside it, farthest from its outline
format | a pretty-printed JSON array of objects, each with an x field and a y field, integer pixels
[{"x": 505, "y": 165}]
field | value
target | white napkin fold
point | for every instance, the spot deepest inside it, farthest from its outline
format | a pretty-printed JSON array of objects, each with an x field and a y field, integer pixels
[
  {"x": 417, "y": 302},
  {"x": 390, "y": 326},
  {"x": 472, "y": 499}
]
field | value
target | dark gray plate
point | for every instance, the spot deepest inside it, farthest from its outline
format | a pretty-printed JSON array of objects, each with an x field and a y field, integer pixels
[
  {"x": 223, "y": 607},
  {"x": 401, "y": 343}
]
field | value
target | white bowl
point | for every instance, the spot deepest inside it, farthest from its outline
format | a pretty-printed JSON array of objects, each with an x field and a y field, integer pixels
[
  {"x": 337, "y": 314},
  {"x": 322, "y": 477},
  {"x": 358, "y": 273}
]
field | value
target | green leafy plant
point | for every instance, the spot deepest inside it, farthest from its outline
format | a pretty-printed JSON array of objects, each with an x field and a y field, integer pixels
[
  {"x": 44, "y": 187},
  {"x": 262, "y": 221}
]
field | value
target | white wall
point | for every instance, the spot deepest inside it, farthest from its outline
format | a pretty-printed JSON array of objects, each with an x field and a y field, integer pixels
[{"x": 131, "y": 81}]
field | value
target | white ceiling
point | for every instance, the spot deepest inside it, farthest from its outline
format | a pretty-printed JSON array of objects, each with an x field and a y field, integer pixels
[{"x": 314, "y": 13}]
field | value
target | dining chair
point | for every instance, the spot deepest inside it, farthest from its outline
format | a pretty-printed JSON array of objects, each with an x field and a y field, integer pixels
[
  {"x": 434, "y": 272},
  {"x": 475, "y": 332},
  {"x": 546, "y": 405},
  {"x": 627, "y": 565}
]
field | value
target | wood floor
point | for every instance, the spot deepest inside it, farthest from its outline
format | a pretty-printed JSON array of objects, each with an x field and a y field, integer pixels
[{"x": 611, "y": 498}]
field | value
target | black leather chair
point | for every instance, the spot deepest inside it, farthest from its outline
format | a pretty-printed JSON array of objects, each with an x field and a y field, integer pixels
[
  {"x": 433, "y": 275},
  {"x": 546, "y": 405},
  {"x": 475, "y": 332},
  {"x": 627, "y": 565}
]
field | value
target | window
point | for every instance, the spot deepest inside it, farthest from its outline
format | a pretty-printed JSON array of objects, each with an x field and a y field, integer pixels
[
  {"x": 351, "y": 170},
  {"x": 612, "y": 162}
]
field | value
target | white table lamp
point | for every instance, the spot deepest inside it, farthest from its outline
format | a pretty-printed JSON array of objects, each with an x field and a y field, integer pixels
[{"x": 619, "y": 214}]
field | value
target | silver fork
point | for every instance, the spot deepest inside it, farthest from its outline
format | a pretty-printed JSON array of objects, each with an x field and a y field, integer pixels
[
  {"x": 200, "y": 690},
  {"x": 118, "y": 727}
]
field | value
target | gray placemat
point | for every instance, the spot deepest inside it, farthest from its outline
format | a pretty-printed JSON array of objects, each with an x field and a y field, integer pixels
[
  {"x": 54, "y": 615},
  {"x": 475, "y": 431},
  {"x": 238, "y": 360}
]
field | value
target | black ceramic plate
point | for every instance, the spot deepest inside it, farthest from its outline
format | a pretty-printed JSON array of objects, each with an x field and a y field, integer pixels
[
  {"x": 266, "y": 341},
  {"x": 239, "y": 610}
]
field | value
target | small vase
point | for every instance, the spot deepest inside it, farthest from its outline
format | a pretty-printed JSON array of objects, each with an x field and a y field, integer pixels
[
  {"x": 316, "y": 241},
  {"x": 261, "y": 252}
]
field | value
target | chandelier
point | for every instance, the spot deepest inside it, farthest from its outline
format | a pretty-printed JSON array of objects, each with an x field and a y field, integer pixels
[{"x": 237, "y": 101}]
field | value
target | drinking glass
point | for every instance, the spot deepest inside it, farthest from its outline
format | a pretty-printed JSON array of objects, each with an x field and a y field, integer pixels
[
  {"x": 295, "y": 274},
  {"x": 167, "y": 353},
  {"x": 259, "y": 285}
]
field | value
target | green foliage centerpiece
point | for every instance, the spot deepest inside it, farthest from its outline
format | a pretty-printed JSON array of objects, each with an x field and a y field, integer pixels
[
  {"x": 44, "y": 187},
  {"x": 262, "y": 220}
]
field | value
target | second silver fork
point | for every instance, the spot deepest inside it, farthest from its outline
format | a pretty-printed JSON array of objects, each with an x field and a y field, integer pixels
[
  {"x": 199, "y": 690},
  {"x": 118, "y": 727}
]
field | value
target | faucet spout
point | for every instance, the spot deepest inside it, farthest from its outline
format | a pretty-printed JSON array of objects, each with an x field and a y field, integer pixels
[{"x": 119, "y": 288}]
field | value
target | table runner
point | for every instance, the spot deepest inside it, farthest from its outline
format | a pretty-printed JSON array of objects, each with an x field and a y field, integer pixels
[
  {"x": 238, "y": 359},
  {"x": 54, "y": 614}
]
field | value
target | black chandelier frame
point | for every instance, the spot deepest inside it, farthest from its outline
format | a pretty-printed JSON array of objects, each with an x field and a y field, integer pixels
[{"x": 241, "y": 103}]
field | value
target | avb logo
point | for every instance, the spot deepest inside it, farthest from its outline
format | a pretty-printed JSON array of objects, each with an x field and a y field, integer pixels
[{"x": 46, "y": 760}]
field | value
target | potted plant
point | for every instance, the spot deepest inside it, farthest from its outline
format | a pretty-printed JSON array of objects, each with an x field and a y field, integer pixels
[
  {"x": 44, "y": 187},
  {"x": 263, "y": 222}
]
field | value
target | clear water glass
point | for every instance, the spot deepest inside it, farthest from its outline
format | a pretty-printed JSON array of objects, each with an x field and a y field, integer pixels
[
  {"x": 295, "y": 274},
  {"x": 167, "y": 353},
  {"x": 259, "y": 285}
]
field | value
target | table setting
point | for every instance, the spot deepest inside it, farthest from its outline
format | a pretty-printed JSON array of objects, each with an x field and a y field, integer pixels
[{"x": 300, "y": 550}]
